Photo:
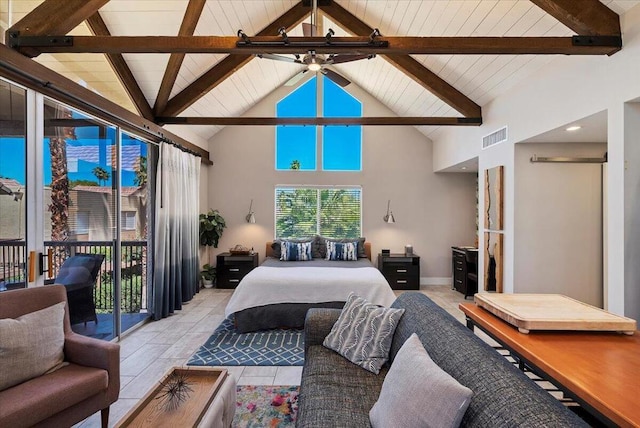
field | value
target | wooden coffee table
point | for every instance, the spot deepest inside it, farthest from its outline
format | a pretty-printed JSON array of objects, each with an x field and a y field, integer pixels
[
  {"x": 600, "y": 370},
  {"x": 214, "y": 391}
]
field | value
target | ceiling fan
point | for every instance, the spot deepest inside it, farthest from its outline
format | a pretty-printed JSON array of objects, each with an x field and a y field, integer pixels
[{"x": 316, "y": 62}]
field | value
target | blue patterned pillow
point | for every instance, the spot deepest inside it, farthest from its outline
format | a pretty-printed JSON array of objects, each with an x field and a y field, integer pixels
[
  {"x": 342, "y": 250},
  {"x": 363, "y": 333},
  {"x": 295, "y": 251}
]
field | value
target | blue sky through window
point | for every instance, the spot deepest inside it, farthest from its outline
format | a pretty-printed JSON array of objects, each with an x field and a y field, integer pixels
[{"x": 341, "y": 145}]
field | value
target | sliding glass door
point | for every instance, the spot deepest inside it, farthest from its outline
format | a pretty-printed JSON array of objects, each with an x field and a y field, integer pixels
[{"x": 13, "y": 185}]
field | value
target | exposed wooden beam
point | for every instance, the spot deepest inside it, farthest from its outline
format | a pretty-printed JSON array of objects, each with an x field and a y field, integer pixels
[
  {"x": 271, "y": 44},
  {"x": 54, "y": 17},
  {"x": 585, "y": 17},
  {"x": 322, "y": 121},
  {"x": 122, "y": 70},
  {"x": 188, "y": 26},
  {"x": 27, "y": 72},
  {"x": 223, "y": 69},
  {"x": 408, "y": 65}
]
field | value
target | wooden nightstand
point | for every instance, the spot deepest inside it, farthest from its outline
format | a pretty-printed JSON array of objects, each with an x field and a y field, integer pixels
[
  {"x": 401, "y": 271},
  {"x": 231, "y": 269}
]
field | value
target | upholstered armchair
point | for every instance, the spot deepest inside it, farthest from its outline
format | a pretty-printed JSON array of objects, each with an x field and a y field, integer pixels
[{"x": 87, "y": 380}]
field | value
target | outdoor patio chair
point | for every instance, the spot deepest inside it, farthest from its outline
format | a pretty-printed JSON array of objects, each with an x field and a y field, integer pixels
[{"x": 78, "y": 274}]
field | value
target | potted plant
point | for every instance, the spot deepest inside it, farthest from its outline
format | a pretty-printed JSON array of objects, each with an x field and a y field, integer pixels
[
  {"x": 208, "y": 274},
  {"x": 212, "y": 225}
]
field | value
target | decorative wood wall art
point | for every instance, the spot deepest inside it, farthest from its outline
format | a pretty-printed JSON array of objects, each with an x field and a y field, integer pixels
[{"x": 493, "y": 198}]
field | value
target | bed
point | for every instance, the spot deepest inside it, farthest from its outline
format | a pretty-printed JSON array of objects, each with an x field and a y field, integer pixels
[{"x": 277, "y": 294}]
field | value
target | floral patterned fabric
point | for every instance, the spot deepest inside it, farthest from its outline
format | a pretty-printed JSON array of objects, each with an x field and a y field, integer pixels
[{"x": 266, "y": 406}]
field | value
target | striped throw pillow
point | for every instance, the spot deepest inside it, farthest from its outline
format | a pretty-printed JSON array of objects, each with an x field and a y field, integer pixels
[
  {"x": 363, "y": 333},
  {"x": 295, "y": 251},
  {"x": 342, "y": 250}
]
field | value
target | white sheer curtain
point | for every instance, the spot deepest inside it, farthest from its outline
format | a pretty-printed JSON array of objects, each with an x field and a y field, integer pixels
[{"x": 176, "y": 271}]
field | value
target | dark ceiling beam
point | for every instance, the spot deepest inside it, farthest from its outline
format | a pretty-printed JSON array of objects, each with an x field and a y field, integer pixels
[
  {"x": 425, "y": 77},
  {"x": 180, "y": 45},
  {"x": 29, "y": 73},
  {"x": 119, "y": 65},
  {"x": 188, "y": 26},
  {"x": 585, "y": 17},
  {"x": 322, "y": 121},
  {"x": 227, "y": 66},
  {"x": 54, "y": 17}
]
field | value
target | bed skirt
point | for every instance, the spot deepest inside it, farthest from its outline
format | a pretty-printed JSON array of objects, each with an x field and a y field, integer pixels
[{"x": 281, "y": 315}]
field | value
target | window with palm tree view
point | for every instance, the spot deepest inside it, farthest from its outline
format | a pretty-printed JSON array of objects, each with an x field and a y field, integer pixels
[{"x": 304, "y": 211}]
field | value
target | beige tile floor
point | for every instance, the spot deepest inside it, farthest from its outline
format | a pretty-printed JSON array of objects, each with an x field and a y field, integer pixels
[{"x": 148, "y": 352}]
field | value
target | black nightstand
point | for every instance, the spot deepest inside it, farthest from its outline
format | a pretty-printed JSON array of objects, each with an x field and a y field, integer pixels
[
  {"x": 401, "y": 271},
  {"x": 230, "y": 269}
]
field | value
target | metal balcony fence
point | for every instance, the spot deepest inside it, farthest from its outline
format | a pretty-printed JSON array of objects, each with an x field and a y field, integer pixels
[{"x": 13, "y": 260}]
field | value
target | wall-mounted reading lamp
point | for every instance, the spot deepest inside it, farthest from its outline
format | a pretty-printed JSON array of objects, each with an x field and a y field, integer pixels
[
  {"x": 251, "y": 217},
  {"x": 389, "y": 217}
]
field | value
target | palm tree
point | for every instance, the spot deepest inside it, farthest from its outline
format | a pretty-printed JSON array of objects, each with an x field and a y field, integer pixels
[
  {"x": 101, "y": 174},
  {"x": 295, "y": 164},
  {"x": 59, "y": 206},
  {"x": 141, "y": 172}
]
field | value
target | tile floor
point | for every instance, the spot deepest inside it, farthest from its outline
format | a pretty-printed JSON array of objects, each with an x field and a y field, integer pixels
[{"x": 148, "y": 352}]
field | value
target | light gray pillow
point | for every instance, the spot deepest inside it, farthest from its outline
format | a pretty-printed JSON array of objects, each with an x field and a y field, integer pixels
[
  {"x": 418, "y": 393},
  {"x": 31, "y": 345},
  {"x": 363, "y": 333}
]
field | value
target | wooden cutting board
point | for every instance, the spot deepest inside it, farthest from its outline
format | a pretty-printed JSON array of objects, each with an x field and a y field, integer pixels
[{"x": 552, "y": 312}]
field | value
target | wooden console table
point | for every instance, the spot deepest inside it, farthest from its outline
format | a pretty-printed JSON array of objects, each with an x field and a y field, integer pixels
[{"x": 601, "y": 371}]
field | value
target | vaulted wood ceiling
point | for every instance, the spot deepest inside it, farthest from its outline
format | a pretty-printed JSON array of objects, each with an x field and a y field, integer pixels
[{"x": 446, "y": 58}]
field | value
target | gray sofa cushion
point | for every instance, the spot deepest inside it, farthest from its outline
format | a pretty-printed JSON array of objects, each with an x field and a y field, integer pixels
[
  {"x": 418, "y": 393},
  {"x": 503, "y": 396},
  {"x": 363, "y": 333},
  {"x": 336, "y": 393}
]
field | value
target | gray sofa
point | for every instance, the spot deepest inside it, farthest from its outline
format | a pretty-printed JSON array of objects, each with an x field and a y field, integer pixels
[{"x": 336, "y": 393}]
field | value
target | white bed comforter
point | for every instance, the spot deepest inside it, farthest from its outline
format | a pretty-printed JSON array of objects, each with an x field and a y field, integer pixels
[{"x": 270, "y": 285}]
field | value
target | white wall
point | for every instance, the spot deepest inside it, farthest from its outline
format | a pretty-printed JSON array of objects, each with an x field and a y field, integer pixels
[
  {"x": 558, "y": 222},
  {"x": 568, "y": 89},
  {"x": 432, "y": 211}
]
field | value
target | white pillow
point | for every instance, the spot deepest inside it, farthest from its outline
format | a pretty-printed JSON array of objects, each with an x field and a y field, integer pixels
[
  {"x": 31, "y": 345},
  {"x": 418, "y": 393}
]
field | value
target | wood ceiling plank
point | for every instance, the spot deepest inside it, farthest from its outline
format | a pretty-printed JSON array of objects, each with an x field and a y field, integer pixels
[
  {"x": 223, "y": 69},
  {"x": 322, "y": 121},
  {"x": 122, "y": 70},
  {"x": 27, "y": 72},
  {"x": 408, "y": 65},
  {"x": 188, "y": 26},
  {"x": 57, "y": 17},
  {"x": 585, "y": 17}
]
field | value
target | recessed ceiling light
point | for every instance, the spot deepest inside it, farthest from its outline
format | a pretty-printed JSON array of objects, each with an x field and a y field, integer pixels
[
  {"x": 573, "y": 128},
  {"x": 464, "y": 167}
]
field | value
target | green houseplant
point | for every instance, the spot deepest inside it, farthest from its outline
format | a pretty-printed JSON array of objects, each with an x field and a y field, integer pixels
[
  {"x": 212, "y": 225},
  {"x": 208, "y": 274}
]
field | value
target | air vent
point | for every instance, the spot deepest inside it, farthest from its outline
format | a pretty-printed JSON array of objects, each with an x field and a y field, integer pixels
[{"x": 494, "y": 138}]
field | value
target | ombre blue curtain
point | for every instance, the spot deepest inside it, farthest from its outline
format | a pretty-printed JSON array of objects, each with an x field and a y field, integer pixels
[{"x": 176, "y": 273}]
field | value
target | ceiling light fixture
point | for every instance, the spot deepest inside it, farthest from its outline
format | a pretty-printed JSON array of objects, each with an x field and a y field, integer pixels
[
  {"x": 314, "y": 66},
  {"x": 573, "y": 128}
]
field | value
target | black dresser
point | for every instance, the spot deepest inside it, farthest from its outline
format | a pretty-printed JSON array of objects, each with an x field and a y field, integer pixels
[
  {"x": 230, "y": 269},
  {"x": 401, "y": 271},
  {"x": 465, "y": 270}
]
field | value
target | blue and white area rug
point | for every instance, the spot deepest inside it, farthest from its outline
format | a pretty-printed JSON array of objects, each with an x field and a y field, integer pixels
[{"x": 226, "y": 347}]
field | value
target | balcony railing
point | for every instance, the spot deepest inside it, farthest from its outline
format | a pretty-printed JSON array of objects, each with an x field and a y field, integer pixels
[{"x": 133, "y": 269}]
